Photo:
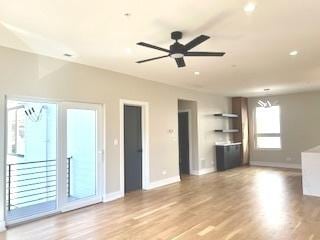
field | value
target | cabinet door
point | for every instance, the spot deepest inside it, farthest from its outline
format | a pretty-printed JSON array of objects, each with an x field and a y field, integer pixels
[
  {"x": 227, "y": 157},
  {"x": 236, "y": 155},
  {"x": 220, "y": 156}
]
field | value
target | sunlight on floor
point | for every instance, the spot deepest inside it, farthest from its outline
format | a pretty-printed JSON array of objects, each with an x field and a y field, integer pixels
[{"x": 270, "y": 191}]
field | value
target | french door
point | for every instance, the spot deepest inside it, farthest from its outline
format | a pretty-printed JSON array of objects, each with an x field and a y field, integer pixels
[
  {"x": 54, "y": 157},
  {"x": 81, "y": 155}
]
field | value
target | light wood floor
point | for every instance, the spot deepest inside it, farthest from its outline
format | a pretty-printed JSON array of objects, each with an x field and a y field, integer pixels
[{"x": 241, "y": 204}]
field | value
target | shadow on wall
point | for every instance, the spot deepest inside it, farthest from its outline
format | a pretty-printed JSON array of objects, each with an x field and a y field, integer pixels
[{"x": 36, "y": 67}]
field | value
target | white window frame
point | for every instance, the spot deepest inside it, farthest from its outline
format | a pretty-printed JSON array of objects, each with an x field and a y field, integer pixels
[
  {"x": 256, "y": 135},
  {"x": 16, "y": 109}
]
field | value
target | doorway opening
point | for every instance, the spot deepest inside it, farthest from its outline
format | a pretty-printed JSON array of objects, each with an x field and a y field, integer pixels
[
  {"x": 187, "y": 132},
  {"x": 53, "y": 160},
  {"x": 134, "y": 150},
  {"x": 31, "y": 159}
]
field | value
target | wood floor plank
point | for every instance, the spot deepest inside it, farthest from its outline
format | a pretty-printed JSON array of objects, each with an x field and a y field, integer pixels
[{"x": 248, "y": 203}]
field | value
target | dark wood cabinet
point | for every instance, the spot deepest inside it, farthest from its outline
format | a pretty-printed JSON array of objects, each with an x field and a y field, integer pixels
[{"x": 228, "y": 157}]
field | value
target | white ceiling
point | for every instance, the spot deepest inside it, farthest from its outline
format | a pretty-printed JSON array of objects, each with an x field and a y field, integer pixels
[{"x": 98, "y": 33}]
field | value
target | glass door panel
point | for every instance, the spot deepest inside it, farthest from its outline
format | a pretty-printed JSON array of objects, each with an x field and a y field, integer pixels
[
  {"x": 31, "y": 169},
  {"x": 80, "y": 155}
]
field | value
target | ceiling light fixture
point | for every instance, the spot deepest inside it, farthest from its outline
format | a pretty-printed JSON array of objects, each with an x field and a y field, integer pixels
[
  {"x": 196, "y": 73},
  {"x": 249, "y": 7},
  {"x": 128, "y": 50},
  {"x": 265, "y": 102},
  {"x": 293, "y": 53}
]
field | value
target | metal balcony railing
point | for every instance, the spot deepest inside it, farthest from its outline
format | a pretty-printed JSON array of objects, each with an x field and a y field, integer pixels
[{"x": 30, "y": 183}]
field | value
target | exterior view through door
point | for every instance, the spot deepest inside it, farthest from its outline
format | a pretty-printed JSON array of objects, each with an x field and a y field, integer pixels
[{"x": 51, "y": 164}]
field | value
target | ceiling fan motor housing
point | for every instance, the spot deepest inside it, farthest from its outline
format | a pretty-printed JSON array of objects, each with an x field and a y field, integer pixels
[
  {"x": 176, "y": 35},
  {"x": 177, "y": 50}
]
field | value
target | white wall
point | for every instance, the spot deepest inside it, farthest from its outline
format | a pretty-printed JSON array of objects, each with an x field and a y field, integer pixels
[
  {"x": 25, "y": 74},
  {"x": 300, "y": 118}
]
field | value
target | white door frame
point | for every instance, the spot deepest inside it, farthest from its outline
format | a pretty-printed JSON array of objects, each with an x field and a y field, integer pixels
[
  {"x": 190, "y": 137},
  {"x": 63, "y": 204},
  {"x": 102, "y": 173},
  {"x": 36, "y": 100},
  {"x": 145, "y": 141}
]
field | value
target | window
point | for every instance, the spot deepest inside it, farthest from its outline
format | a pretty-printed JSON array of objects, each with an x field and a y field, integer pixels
[
  {"x": 267, "y": 128},
  {"x": 16, "y": 123}
]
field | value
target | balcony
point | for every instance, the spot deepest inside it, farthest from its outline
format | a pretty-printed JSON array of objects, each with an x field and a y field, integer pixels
[{"x": 32, "y": 188}]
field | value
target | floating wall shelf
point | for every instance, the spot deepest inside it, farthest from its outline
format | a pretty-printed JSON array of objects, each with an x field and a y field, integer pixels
[
  {"x": 226, "y": 130},
  {"x": 227, "y": 115}
]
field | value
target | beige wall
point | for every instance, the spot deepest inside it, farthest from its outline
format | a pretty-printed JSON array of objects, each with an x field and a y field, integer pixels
[
  {"x": 25, "y": 74},
  {"x": 300, "y": 118}
]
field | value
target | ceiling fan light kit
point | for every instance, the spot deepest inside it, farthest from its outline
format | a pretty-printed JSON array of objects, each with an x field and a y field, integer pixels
[{"x": 178, "y": 51}]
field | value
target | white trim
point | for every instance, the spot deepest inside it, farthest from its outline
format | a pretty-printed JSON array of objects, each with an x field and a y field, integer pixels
[
  {"x": 33, "y": 100},
  {"x": 31, "y": 218},
  {"x": 2, "y": 226},
  {"x": 145, "y": 141},
  {"x": 276, "y": 164},
  {"x": 61, "y": 105},
  {"x": 25, "y": 98},
  {"x": 163, "y": 182},
  {"x": 203, "y": 171},
  {"x": 80, "y": 204},
  {"x": 108, "y": 197},
  {"x": 64, "y": 204},
  {"x": 190, "y": 138}
]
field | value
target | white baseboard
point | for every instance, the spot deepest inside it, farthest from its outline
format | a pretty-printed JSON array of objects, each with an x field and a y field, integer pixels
[
  {"x": 112, "y": 196},
  {"x": 2, "y": 226},
  {"x": 202, "y": 171},
  {"x": 163, "y": 182},
  {"x": 276, "y": 164}
]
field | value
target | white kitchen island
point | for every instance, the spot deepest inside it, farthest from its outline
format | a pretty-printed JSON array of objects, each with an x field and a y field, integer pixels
[{"x": 310, "y": 163}]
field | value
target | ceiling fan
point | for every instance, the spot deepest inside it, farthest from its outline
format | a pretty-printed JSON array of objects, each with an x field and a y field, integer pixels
[{"x": 178, "y": 51}]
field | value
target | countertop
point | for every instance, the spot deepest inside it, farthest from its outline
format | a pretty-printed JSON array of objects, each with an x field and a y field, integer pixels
[{"x": 313, "y": 150}]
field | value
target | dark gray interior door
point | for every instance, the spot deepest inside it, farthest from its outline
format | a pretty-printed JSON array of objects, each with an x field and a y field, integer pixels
[
  {"x": 184, "y": 143},
  {"x": 132, "y": 148}
]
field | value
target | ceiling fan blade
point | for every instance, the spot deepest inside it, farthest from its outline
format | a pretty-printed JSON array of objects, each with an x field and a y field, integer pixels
[
  {"x": 180, "y": 62},
  {"x": 195, "y": 42},
  {"x": 152, "y": 46},
  {"x": 151, "y": 59},
  {"x": 205, "y": 54}
]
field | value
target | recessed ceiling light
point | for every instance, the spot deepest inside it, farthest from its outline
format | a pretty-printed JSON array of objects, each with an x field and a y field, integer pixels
[
  {"x": 196, "y": 73},
  {"x": 249, "y": 7},
  {"x": 293, "y": 53},
  {"x": 67, "y": 55},
  {"x": 128, "y": 50}
]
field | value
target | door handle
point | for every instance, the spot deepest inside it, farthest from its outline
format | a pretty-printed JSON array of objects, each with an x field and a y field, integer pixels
[{"x": 140, "y": 150}]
